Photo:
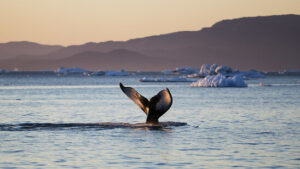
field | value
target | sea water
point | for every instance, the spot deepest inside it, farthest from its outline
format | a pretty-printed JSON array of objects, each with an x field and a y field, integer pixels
[{"x": 253, "y": 127}]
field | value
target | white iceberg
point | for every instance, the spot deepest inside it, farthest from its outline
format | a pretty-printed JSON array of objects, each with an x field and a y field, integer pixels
[
  {"x": 116, "y": 73},
  {"x": 208, "y": 69},
  {"x": 213, "y": 69},
  {"x": 164, "y": 79},
  {"x": 220, "y": 81},
  {"x": 223, "y": 70},
  {"x": 70, "y": 70}
]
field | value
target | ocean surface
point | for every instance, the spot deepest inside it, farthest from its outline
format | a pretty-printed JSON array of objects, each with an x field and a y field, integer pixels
[{"x": 49, "y": 121}]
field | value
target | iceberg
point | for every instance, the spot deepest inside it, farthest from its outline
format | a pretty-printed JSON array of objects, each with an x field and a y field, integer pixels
[
  {"x": 213, "y": 69},
  {"x": 70, "y": 70},
  {"x": 164, "y": 79},
  {"x": 220, "y": 81},
  {"x": 223, "y": 70},
  {"x": 208, "y": 69},
  {"x": 116, "y": 73}
]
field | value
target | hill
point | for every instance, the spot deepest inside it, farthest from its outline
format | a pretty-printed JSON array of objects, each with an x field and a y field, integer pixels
[
  {"x": 11, "y": 50},
  {"x": 266, "y": 43}
]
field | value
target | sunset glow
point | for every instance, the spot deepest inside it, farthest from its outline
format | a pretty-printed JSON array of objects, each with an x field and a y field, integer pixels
[{"x": 68, "y": 22}]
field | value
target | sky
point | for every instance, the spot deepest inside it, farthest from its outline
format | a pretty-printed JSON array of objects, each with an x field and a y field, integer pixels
[{"x": 72, "y": 22}]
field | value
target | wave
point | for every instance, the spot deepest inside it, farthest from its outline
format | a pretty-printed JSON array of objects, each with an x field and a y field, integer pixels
[{"x": 82, "y": 126}]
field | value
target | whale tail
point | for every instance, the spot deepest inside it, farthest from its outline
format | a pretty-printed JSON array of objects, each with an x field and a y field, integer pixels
[{"x": 155, "y": 108}]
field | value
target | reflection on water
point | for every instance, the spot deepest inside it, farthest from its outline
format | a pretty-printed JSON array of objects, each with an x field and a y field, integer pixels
[{"x": 59, "y": 122}]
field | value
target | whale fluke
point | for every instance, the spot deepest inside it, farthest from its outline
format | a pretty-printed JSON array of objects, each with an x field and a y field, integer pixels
[{"x": 155, "y": 108}]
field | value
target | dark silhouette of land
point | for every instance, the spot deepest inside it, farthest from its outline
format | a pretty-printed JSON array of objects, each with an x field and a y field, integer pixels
[{"x": 268, "y": 43}]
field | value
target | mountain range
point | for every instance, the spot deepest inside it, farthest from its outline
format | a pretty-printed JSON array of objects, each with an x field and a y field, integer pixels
[{"x": 265, "y": 43}]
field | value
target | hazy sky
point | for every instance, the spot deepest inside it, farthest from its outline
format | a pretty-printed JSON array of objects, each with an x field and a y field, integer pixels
[{"x": 69, "y": 22}]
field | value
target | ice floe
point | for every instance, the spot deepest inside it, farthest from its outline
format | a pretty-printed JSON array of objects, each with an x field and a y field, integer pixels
[
  {"x": 290, "y": 72},
  {"x": 3, "y": 71},
  {"x": 70, "y": 70},
  {"x": 166, "y": 79},
  {"x": 167, "y": 72},
  {"x": 98, "y": 73},
  {"x": 63, "y": 70},
  {"x": 116, "y": 73},
  {"x": 220, "y": 81},
  {"x": 186, "y": 70}
]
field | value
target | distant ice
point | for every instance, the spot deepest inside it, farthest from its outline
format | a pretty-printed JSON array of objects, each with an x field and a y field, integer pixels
[
  {"x": 164, "y": 79},
  {"x": 167, "y": 72},
  {"x": 290, "y": 72},
  {"x": 110, "y": 73},
  {"x": 70, "y": 70},
  {"x": 3, "y": 71},
  {"x": 186, "y": 70},
  {"x": 223, "y": 70},
  {"x": 98, "y": 73},
  {"x": 214, "y": 69},
  {"x": 194, "y": 75},
  {"x": 220, "y": 81},
  {"x": 63, "y": 70},
  {"x": 204, "y": 70},
  {"x": 251, "y": 74},
  {"x": 229, "y": 78},
  {"x": 208, "y": 69},
  {"x": 116, "y": 73}
]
